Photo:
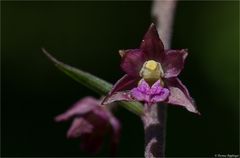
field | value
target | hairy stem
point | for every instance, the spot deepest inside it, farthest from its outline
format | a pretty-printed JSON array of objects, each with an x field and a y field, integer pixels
[
  {"x": 154, "y": 126},
  {"x": 154, "y": 119}
]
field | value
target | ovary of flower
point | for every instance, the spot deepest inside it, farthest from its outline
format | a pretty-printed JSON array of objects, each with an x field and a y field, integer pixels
[{"x": 152, "y": 71}]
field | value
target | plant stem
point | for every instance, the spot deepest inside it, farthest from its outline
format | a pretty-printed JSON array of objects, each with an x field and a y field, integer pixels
[
  {"x": 154, "y": 119},
  {"x": 154, "y": 126}
]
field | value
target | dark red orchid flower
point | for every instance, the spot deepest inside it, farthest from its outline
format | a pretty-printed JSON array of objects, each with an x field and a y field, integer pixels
[
  {"x": 91, "y": 122},
  {"x": 152, "y": 75}
]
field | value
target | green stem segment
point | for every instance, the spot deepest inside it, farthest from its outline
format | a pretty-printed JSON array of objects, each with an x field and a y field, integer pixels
[{"x": 92, "y": 82}]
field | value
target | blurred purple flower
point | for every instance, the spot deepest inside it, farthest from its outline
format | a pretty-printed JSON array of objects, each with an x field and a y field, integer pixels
[
  {"x": 91, "y": 122},
  {"x": 151, "y": 74}
]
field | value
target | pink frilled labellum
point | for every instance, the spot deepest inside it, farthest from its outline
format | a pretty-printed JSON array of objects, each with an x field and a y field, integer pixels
[
  {"x": 91, "y": 123},
  {"x": 153, "y": 94},
  {"x": 152, "y": 75}
]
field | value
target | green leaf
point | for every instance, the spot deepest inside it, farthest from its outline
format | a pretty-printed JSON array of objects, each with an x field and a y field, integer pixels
[{"x": 92, "y": 82}]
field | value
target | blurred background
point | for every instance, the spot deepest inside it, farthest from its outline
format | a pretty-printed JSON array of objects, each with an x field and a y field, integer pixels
[{"x": 88, "y": 35}]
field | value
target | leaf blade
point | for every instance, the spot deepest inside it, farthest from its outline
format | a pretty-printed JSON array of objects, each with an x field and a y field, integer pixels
[{"x": 92, "y": 82}]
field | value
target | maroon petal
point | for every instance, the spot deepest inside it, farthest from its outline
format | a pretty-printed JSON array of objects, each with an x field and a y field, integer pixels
[
  {"x": 173, "y": 62},
  {"x": 83, "y": 106},
  {"x": 126, "y": 82},
  {"x": 179, "y": 95},
  {"x": 152, "y": 44},
  {"x": 132, "y": 61},
  {"x": 119, "y": 96},
  {"x": 79, "y": 127}
]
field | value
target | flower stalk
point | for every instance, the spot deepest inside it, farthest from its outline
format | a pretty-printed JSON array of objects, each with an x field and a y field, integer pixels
[
  {"x": 154, "y": 122},
  {"x": 155, "y": 118}
]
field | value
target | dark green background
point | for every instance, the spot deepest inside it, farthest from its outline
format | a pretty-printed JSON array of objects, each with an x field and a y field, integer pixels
[{"x": 88, "y": 35}]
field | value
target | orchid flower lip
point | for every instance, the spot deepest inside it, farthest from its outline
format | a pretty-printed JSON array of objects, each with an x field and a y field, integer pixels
[{"x": 150, "y": 94}]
